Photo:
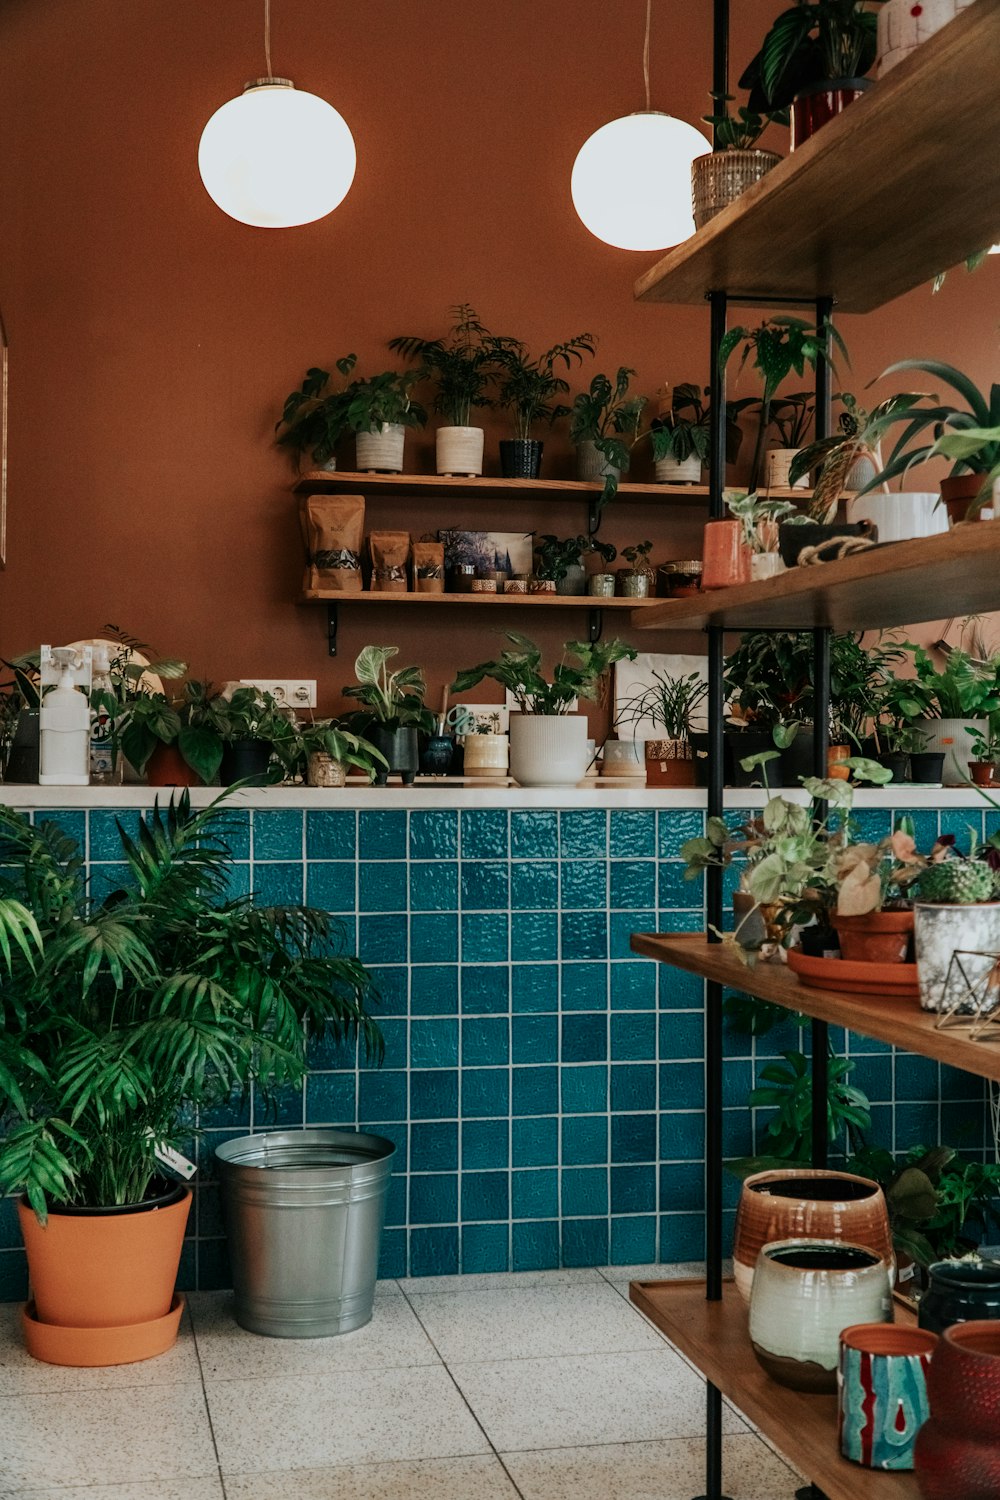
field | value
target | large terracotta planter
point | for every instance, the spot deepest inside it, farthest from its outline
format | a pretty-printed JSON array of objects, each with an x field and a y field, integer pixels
[
  {"x": 878, "y": 937},
  {"x": 809, "y": 1204},
  {"x": 958, "y": 1450},
  {"x": 958, "y": 492},
  {"x": 167, "y": 767},
  {"x": 108, "y": 1271}
]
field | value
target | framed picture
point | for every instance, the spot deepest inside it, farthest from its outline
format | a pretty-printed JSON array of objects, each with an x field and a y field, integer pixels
[
  {"x": 507, "y": 551},
  {"x": 634, "y": 677}
]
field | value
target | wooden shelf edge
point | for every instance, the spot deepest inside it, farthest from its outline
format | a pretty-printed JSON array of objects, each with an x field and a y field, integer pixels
[
  {"x": 516, "y": 601},
  {"x": 315, "y": 480}
]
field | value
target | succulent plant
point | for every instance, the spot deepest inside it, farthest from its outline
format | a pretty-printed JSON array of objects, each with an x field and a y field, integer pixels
[{"x": 963, "y": 881}]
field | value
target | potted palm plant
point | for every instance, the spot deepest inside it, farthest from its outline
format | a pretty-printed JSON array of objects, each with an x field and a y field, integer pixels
[
  {"x": 719, "y": 177},
  {"x": 669, "y": 704},
  {"x": 314, "y": 418},
  {"x": 461, "y": 369},
  {"x": 392, "y": 711},
  {"x": 527, "y": 390},
  {"x": 330, "y": 749},
  {"x": 378, "y": 411},
  {"x": 548, "y": 740},
  {"x": 123, "y": 1015}
]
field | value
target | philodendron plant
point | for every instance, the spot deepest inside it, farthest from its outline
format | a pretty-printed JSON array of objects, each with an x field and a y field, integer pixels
[
  {"x": 519, "y": 670},
  {"x": 392, "y": 700}
]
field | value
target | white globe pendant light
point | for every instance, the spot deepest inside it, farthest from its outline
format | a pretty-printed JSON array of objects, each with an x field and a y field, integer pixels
[
  {"x": 631, "y": 182},
  {"x": 276, "y": 156}
]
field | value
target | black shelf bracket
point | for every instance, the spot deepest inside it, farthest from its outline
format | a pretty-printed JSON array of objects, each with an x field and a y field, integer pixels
[
  {"x": 594, "y": 512},
  {"x": 331, "y": 629},
  {"x": 595, "y": 625}
]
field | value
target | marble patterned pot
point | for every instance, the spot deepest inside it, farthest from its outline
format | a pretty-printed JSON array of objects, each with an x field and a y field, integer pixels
[
  {"x": 882, "y": 1393},
  {"x": 939, "y": 927},
  {"x": 958, "y": 1450}
]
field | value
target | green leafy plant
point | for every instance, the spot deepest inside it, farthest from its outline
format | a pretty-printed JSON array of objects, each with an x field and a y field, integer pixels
[
  {"x": 124, "y": 1015},
  {"x": 313, "y": 417},
  {"x": 519, "y": 670},
  {"x": 776, "y": 349},
  {"x": 787, "y": 1087},
  {"x": 741, "y": 130},
  {"x": 860, "y": 436},
  {"x": 970, "y": 436},
  {"x": 684, "y": 430},
  {"x": 245, "y": 713},
  {"x": 609, "y": 417},
  {"x": 328, "y": 737},
  {"x": 813, "y": 42},
  {"x": 985, "y": 743},
  {"x": 638, "y": 556},
  {"x": 460, "y": 366},
  {"x": 383, "y": 400},
  {"x": 761, "y": 518},
  {"x": 669, "y": 703},
  {"x": 554, "y": 558},
  {"x": 528, "y": 387},
  {"x": 393, "y": 700},
  {"x": 154, "y": 719},
  {"x": 941, "y": 1205},
  {"x": 964, "y": 688}
]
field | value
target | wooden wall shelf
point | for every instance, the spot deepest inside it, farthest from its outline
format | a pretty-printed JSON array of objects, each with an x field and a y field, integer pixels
[
  {"x": 489, "y": 601},
  {"x": 901, "y": 186},
  {"x": 438, "y": 486},
  {"x": 902, "y": 583}
]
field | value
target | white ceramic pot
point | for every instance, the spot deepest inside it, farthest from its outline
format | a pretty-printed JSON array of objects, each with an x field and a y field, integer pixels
[
  {"x": 486, "y": 754},
  {"x": 678, "y": 470},
  {"x": 950, "y": 737},
  {"x": 805, "y": 1293},
  {"x": 941, "y": 927},
  {"x": 459, "y": 450},
  {"x": 765, "y": 565},
  {"x": 548, "y": 749},
  {"x": 624, "y": 758},
  {"x": 902, "y": 26},
  {"x": 382, "y": 451},
  {"x": 779, "y": 461},
  {"x": 591, "y": 463},
  {"x": 901, "y": 516}
]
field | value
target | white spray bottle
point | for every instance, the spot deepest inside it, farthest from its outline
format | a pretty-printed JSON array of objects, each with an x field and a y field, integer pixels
[{"x": 65, "y": 716}]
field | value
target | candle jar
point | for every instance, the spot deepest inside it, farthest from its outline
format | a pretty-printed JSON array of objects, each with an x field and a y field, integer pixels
[
  {"x": 601, "y": 586},
  {"x": 680, "y": 579},
  {"x": 461, "y": 577}
]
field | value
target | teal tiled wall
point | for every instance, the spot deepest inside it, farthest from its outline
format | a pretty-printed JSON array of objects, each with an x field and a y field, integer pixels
[{"x": 543, "y": 1086}]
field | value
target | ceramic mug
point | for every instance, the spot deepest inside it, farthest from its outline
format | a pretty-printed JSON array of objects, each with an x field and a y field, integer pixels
[
  {"x": 726, "y": 555},
  {"x": 882, "y": 1393}
]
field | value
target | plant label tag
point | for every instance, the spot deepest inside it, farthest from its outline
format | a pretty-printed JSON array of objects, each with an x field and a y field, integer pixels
[{"x": 174, "y": 1163}]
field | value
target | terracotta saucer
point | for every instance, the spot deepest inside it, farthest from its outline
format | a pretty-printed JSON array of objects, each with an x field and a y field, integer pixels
[
  {"x": 893, "y": 981},
  {"x": 92, "y": 1347}
]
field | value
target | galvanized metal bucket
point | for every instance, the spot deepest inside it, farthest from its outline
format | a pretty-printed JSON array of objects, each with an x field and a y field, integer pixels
[{"x": 304, "y": 1211}]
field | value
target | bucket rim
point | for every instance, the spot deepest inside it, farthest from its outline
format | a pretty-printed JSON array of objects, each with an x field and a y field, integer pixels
[{"x": 246, "y": 1150}]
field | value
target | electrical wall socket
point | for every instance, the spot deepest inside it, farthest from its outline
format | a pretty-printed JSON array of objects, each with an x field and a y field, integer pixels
[{"x": 295, "y": 691}]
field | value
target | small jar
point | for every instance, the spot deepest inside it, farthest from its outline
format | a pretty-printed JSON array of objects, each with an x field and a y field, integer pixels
[
  {"x": 633, "y": 585},
  {"x": 961, "y": 1291},
  {"x": 516, "y": 585},
  {"x": 601, "y": 585},
  {"x": 486, "y": 754},
  {"x": 460, "y": 578},
  {"x": 541, "y": 585},
  {"x": 484, "y": 585},
  {"x": 680, "y": 579}
]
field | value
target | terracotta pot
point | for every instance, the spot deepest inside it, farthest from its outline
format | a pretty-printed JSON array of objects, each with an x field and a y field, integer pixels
[
  {"x": 105, "y": 1271},
  {"x": 958, "y": 1450},
  {"x": 817, "y": 105},
  {"x": 670, "y": 763},
  {"x": 835, "y": 757},
  {"x": 879, "y": 937},
  {"x": 958, "y": 493},
  {"x": 810, "y": 1204},
  {"x": 167, "y": 767},
  {"x": 981, "y": 772},
  {"x": 882, "y": 1393},
  {"x": 726, "y": 555}
]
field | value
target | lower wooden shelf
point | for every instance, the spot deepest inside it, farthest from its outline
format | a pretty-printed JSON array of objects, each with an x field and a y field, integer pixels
[
  {"x": 714, "y": 1337},
  {"x": 491, "y": 601}
]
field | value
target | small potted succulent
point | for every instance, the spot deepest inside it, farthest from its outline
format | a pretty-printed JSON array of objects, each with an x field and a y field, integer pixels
[
  {"x": 392, "y": 711},
  {"x": 957, "y": 910},
  {"x": 604, "y": 426},
  {"x": 330, "y": 750},
  {"x": 761, "y": 519},
  {"x": 638, "y": 580},
  {"x": 314, "y": 418},
  {"x": 378, "y": 411},
  {"x": 561, "y": 562},
  {"x": 527, "y": 389},
  {"x": 719, "y": 177},
  {"x": 669, "y": 704},
  {"x": 461, "y": 369},
  {"x": 548, "y": 740}
]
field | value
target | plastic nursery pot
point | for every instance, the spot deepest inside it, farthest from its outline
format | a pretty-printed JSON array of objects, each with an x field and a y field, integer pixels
[
  {"x": 22, "y": 759},
  {"x": 879, "y": 937},
  {"x": 927, "y": 768},
  {"x": 167, "y": 767},
  {"x": 897, "y": 763},
  {"x": 520, "y": 458},
  {"x": 816, "y": 106},
  {"x": 740, "y": 745},
  {"x": 670, "y": 763},
  {"x": 981, "y": 772},
  {"x": 958, "y": 493},
  {"x": 245, "y": 760}
]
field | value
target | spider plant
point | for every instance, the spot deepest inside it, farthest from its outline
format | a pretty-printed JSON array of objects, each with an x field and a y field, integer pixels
[
  {"x": 670, "y": 703},
  {"x": 970, "y": 436}
]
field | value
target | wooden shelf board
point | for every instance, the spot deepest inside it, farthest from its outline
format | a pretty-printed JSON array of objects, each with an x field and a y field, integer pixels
[
  {"x": 444, "y": 486},
  {"x": 714, "y": 1336},
  {"x": 899, "y": 1021},
  {"x": 516, "y": 601},
  {"x": 902, "y": 583},
  {"x": 878, "y": 201}
]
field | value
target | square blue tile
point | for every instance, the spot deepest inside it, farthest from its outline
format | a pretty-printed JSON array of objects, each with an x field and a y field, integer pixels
[
  {"x": 676, "y": 892},
  {"x": 584, "y": 1140},
  {"x": 486, "y": 990},
  {"x": 633, "y": 1138},
  {"x": 675, "y": 826},
  {"x": 330, "y": 1099},
  {"x": 534, "y": 987},
  {"x": 679, "y": 991},
  {"x": 682, "y": 1035},
  {"x": 534, "y": 885},
  {"x": 682, "y": 1085},
  {"x": 534, "y": 835},
  {"x": 434, "y": 1146},
  {"x": 535, "y": 1246},
  {"x": 622, "y": 926},
  {"x": 584, "y": 934},
  {"x": 390, "y": 981},
  {"x": 381, "y": 938},
  {"x": 584, "y": 885},
  {"x": 485, "y": 1041},
  {"x": 633, "y": 884},
  {"x": 633, "y": 834},
  {"x": 535, "y": 1039},
  {"x": 105, "y": 842},
  {"x": 331, "y": 835},
  {"x": 534, "y": 1141},
  {"x": 633, "y": 1086},
  {"x": 277, "y": 833},
  {"x": 737, "y": 1081},
  {"x": 485, "y": 937},
  {"x": 434, "y": 1044},
  {"x": 73, "y": 825},
  {"x": 434, "y": 1094},
  {"x": 484, "y": 1248},
  {"x": 916, "y": 1077},
  {"x": 484, "y": 834},
  {"x": 584, "y": 986},
  {"x": 434, "y": 989},
  {"x": 485, "y": 1092},
  {"x": 485, "y": 1145},
  {"x": 392, "y": 1254},
  {"x": 535, "y": 935},
  {"x": 682, "y": 1135},
  {"x": 873, "y": 1075},
  {"x": 535, "y": 1091},
  {"x": 238, "y": 882},
  {"x": 583, "y": 835},
  {"x": 584, "y": 1090},
  {"x": 485, "y": 885},
  {"x": 633, "y": 1190},
  {"x": 485, "y": 1195},
  {"x": 585, "y": 1242},
  {"x": 434, "y": 1198},
  {"x": 278, "y": 885},
  {"x": 434, "y": 1252},
  {"x": 382, "y": 1095},
  {"x": 584, "y": 1191},
  {"x": 535, "y": 1195},
  {"x": 681, "y": 1187},
  {"x": 382, "y": 887},
  {"x": 433, "y": 886},
  {"x": 331, "y": 885},
  {"x": 633, "y": 1240},
  {"x": 682, "y": 1238},
  {"x": 396, "y": 1200},
  {"x": 381, "y": 835},
  {"x": 433, "y": 937},
  {"x": 584, "y": 1038},
  {"x": 433, "y": 835},
  {"x": 633, "y": 1036}
]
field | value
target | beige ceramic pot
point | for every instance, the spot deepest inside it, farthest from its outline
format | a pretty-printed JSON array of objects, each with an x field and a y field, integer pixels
[
  {"x": 459, "y": 451},
  {"x": 381, "y": 451}
]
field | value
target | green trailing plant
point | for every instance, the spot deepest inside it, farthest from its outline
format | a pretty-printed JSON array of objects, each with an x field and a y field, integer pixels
[
  {"x": 760, "y": 519},
  {"x": 246, "y": 713},
  {"x": 123, "y": 1016},
  {"x": 668, "y": 703},
  {"x": 813, "y": 42},
  {"x": 391, "y": 700},
  {"x": 777, "y": 348},
  {"x": 519, "y": 669},
  {"x": 741, "y": 129},
  {"x": 860, "y": 435},
  {"x": 607, "y": 416},
  {"x": 328, "y": 737},
  {"x": 941, "y": 1205},
  {"x": 383, "y": 400},
  {"x": 787, "y": 1088},
  {"x": 314, "y": 417},
  {"x": 460, "y": 366},
  {"x": 527, "y": 387},
  {"x": 554, "y": 558}
]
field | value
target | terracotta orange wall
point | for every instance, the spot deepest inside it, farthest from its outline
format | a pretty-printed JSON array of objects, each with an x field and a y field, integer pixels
[{"x": 152, "y": 338}]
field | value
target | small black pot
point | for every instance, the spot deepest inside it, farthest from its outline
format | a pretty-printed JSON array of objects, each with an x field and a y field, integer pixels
[
  {"x": 960, "y": 1292},
  {"x": 795, "y": 539},
  {"x": 520, "y": 458},
  {"x": 741, "y": 743},
  {"x": 399, "y": 746},
  {"x": 798, "y": 760},
  {"x": 896, "y": 762},
  {"x": 815, "y": 941},
  {"x": 927, "y": 768},
  {"x": 22, "y": 761},
  {"x": 245, "y": 760}
]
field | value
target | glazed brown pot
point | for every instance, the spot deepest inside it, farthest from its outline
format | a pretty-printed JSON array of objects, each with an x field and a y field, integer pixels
[
  {"x": 167, "y": 767},
  {"x": 958, "y": 493},
  {"x": 879, "y": 937},
  {"x": 670, "y": 763},
  {"x": 958, "y": 1450},
  {"x": 807, "y": 1203}
]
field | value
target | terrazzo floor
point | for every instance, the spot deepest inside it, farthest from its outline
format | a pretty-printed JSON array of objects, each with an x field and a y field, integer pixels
[{"x": 548, "y": 1386}]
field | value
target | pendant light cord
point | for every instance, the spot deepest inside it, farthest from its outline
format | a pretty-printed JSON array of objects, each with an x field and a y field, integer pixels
[
  {"x": 267, "y": 37},
  {"x": 645, "y": 50}
]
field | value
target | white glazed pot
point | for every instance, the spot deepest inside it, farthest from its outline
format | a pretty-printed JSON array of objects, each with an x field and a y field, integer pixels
[
  {"x": 486, "y": 754},
  {"x": 939, "y": 928},
  {"x": 548, "y": 749},
  {"x": 765, "y": 565},
  {"x": 779, "y": 461},
  {"x": 901, "y": 516},
  {"x": 678, "y": 470},
  {"x": 459, "y": 450},
  {"x": 902, "y": 26},
  {"x": 382, "y": 451},
  {"x": 950, "y": 737},
  {"x": 591, "y": 463}
]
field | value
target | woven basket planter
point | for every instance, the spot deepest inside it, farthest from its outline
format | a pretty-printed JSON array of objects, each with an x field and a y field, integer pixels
[{"x": 721, "y": 176}]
